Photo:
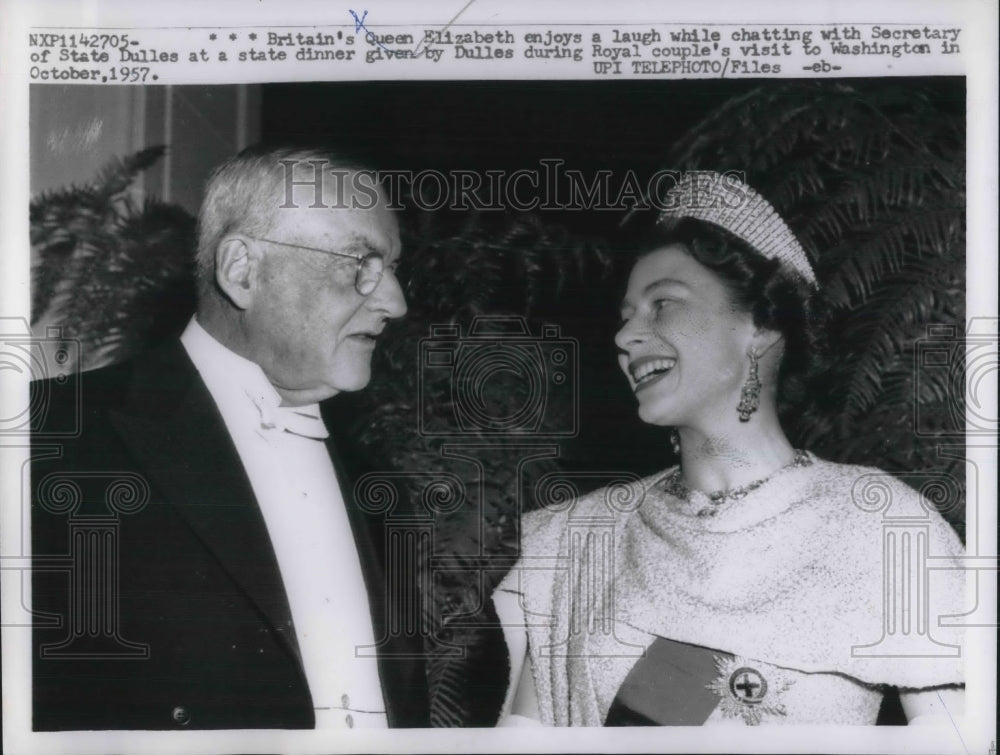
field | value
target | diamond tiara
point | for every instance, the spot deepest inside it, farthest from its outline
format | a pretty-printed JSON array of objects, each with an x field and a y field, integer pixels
[{"x": 727, "y": 202}]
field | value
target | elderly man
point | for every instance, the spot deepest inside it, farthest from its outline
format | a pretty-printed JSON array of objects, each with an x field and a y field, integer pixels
[{"x": 213, "y": 570}]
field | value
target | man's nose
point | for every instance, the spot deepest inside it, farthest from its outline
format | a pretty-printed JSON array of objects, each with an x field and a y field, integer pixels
[{"x": 388, "y": 296}]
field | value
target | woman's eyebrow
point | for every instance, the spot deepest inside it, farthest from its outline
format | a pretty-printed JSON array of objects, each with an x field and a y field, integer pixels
[
  {"x": 649, "y": 288},
  {"x": 661, "y": 282}
]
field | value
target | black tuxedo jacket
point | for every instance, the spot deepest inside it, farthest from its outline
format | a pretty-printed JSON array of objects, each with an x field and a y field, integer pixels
[{"x": 157, "y": 597}]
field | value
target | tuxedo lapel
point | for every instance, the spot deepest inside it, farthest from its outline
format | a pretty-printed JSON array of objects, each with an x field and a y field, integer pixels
[
  {"x": 169, "y": 421},
  {"x": 400, "y": 654},
  {"x": 367, "y": 529}
]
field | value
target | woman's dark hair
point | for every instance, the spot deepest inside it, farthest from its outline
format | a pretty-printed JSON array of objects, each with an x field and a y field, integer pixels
[{"x": 776, "y": 297}]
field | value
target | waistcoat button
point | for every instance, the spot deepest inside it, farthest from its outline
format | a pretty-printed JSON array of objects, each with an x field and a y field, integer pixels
[{"x": 181, "y": 715}]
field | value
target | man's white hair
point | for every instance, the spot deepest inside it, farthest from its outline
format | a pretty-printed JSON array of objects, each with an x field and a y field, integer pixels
[{"x": 244, "y": 194}]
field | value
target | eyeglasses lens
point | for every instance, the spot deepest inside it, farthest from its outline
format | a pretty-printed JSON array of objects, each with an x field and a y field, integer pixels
[{"x": 369, "y": 274}]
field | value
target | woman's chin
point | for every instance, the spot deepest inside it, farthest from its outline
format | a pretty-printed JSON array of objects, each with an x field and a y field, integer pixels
[{"x": 656, "y": 415}]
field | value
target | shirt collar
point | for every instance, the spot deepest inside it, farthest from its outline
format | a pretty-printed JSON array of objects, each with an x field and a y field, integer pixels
[{"x": 242, "y": 384}]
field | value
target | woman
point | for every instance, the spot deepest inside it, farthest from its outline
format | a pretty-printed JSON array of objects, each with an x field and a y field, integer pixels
[{"x": 752, "y": 583}]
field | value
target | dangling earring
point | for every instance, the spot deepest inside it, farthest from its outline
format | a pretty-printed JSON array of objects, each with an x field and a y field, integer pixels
[
  {"x": 750, "y": 395},
  {"x": 675, "y": 441}
]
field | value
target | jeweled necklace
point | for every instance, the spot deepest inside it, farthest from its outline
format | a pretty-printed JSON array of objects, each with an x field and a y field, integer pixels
[{"x": 673, "y": 485}]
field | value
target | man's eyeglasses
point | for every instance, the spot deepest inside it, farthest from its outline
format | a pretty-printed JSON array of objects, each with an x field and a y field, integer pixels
[{"x": 370, "y": 266}]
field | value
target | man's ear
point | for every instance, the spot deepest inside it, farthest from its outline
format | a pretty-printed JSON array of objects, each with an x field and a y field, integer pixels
[{"x": 237, "y": 267}]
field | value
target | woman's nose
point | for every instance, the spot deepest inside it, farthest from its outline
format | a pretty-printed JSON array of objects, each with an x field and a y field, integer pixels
[{"x": 628, "y": 335}]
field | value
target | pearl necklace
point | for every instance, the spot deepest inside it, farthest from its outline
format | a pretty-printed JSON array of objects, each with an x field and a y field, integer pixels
[{"x": 673, "y": 485}]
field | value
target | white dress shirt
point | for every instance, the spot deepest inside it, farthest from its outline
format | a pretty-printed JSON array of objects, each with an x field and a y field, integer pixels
[{"x": 302, "y": 504}]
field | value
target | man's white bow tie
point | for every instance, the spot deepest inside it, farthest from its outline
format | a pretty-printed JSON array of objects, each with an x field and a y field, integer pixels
[{"x": 298, "y": 420}]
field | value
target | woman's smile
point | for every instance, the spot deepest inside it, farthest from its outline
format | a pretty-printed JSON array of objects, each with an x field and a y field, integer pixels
[{"x": 648, "y": 370}]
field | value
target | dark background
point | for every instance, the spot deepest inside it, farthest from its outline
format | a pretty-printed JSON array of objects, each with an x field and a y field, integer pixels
[
  {"x": 508, "y": 125},
  {"x": 479, "y": 125}
]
